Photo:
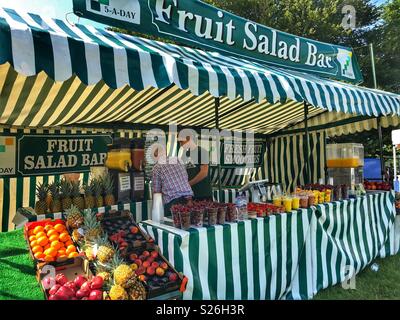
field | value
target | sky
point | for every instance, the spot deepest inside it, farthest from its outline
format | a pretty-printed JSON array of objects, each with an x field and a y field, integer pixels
[{"x": 59, "y": 8}]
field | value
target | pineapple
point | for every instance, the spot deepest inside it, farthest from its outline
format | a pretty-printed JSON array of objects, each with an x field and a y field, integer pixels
[
  {"x": 98, "y": 192},
  {"x": 41, "y": 193},
  {"x": 55, "y": 204},
  {"x": 102, "y": 271},
  {"x": 136, "y": 290},
  {"x": 88, "y": 249},
  {"x": 74, "y": 217},
  {"x": 117, "y": 292},
  {"x": 108, "y": 185},
  {"x": 90, "y": 201},
  {"x": 65, "y": 189},
  {"x": 77, "y": 199},
  {"x": 105, "y": 251},
  {"x": 91, "y": 226},
  {"x": 122, "y": 273}
]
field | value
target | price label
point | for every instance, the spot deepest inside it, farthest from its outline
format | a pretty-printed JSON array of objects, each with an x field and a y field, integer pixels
[{"x": 124, "y": 183}]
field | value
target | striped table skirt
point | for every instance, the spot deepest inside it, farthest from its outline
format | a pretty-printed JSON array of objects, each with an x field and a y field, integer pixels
[{"x": 288, "y": 256}]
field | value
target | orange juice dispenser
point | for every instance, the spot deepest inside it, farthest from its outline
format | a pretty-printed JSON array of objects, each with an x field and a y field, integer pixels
[{"x": 345, "y": 163}]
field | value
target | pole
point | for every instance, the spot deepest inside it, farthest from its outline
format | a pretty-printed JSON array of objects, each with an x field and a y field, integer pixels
[
  {"x": 307, "y": 179},
  {"x": 371, "y": 48},
  {"x": 217, "y": 104},
  {"x": 379, "y": 126}
]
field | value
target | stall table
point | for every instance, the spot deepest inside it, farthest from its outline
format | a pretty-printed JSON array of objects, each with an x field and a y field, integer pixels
[{"x": 288, "y": 256}]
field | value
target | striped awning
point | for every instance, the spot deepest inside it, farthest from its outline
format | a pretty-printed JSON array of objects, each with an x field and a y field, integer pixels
[{"x": 79, "y": 74}]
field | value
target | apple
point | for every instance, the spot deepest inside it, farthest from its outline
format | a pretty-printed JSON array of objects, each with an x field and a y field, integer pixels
[
  {"x": 173, "y": 277},
  {"x": 53, "y": 297},
  {"x": 54, "y": 289},
  {"x": 160, "y": 271},
  {"x": 151, "y": 271},
  {"x": 71, "y": 285},
  {"x": 79, "y": 281},
  {"x": 97, "y": 283},
  {"x": 80, "y": 294},
  {"x": 86, "y": 286},
  {"x": 96, "y": 295},
  {"x": 61, "y": 279}
]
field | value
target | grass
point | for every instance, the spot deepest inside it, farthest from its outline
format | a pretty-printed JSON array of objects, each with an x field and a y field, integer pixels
[
  {"x": 18, "y": 281},
  {"x": 17, "y": 275},
  {"x": 370, "y": 285}
]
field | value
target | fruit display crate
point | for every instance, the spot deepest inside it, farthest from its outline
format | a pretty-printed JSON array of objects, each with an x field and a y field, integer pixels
[
  {"x": 38, "y": 263},
  {"x": 124, "y": 232},
  {"x": 169, "y": 285}
]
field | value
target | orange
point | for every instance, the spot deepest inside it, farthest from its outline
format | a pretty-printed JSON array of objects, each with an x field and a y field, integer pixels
[
  {"x": 50, "y": 252},
  {"x": 55, "y": 244},
  {"x": 53, "y": 238},
  {"x": 59, "y": 227},
  {"x": 32, "y": 238},
  {"x": 48, "y": 258},
  {"x": 42, "y": 241},
  {"x": 46, "y": 246},
  {"x": 73, "y": 255},
  {"x": 52, "y": 232},
  {"x": 37, "y": 249},
  {"x": 63, "y": 256},
  {"x": 61, "y": 252},
  {"x": 30, "y": 232},
  {"x": 64, "y": 237},
  {"x": 39, "y": 255},
  {"x": 70, "y": 249},
  {"x": 40, "y": 234},
  {"x": 33, "y": 243},
  {"x": 68, "y": 243},
  {"x": 38, "y": 229},
  {"x": 48, "y": 227}
]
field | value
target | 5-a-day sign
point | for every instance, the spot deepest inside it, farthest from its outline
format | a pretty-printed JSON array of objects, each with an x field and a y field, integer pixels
[
  {"x": 196, "y": 23},
  {"x": 33, "y": 155}
]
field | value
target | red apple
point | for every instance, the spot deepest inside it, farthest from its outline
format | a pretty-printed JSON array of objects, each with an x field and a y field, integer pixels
[
  {"x": 173, "y": 277},
  {"x": 53, "y": 297},
  {"x": 71, "y": 285},
  {"x": 79, "y": 281},
  {"x": 86, "y": 286},
  {"x": 61, "y": 279},
  {"x": 96, "y": 295},
  {"x": 151, "y": 271},
  {"x": 97, "y": 283},
  {"x": 80, "y": 294},
  {"x": 160, "y": 271},
  {"x": 54, "y": 289}
]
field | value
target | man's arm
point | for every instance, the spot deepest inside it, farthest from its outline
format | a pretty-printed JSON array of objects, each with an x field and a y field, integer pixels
[{"x": 200, "y": 176}]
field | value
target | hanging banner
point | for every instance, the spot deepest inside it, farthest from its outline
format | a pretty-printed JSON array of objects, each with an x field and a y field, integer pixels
[
  {"x": 37, "y": 155},
  {"x": 198, "y": 24}
]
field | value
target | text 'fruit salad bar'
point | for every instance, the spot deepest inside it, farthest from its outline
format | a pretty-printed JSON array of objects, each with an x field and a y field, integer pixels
[{"x": 116, "y": 260}]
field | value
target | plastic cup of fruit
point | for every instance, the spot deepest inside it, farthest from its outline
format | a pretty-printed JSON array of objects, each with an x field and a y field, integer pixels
[
  {"x": 304, "y": 201},
  {"x": 212, "y": 216},
  {"x": 196, "y": 217},
  {"x": 221, "y": 215},
  {"x": 296, "y": 202},
  {"x": 288, "y": 204},
  {"x": 277, "y": 201},
  {"x": 185, "y": 220}
]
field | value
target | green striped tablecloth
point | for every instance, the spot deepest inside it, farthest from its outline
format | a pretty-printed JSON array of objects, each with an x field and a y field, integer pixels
[{"x": 289, "y": 256}]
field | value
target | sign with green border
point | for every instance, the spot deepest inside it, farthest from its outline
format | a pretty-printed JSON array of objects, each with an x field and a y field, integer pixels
[
  {"x": 195, "y": 23},
  {"x": 48, "y": 154}
]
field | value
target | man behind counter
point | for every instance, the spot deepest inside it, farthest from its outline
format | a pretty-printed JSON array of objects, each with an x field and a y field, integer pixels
[{"x": 197, "y": 167}]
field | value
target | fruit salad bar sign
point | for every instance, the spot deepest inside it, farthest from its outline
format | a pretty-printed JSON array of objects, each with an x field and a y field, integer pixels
[
  {"x": 242, "y": 154},
  {"x": 199, "y": 24},
  {"x": 56, "y": 154}
]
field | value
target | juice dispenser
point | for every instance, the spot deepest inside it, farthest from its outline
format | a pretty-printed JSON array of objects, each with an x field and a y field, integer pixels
[{"x": 345, "y": 163}]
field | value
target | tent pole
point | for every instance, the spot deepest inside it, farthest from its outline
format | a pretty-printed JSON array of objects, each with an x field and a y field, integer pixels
[
  {"x": 379, "y": 126},
  {"x": 217, "y": 104},
  {"x": 307, "y": 176}
]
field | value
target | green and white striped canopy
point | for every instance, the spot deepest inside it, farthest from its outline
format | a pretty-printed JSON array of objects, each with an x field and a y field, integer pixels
[{"x": 100, "y": 76}]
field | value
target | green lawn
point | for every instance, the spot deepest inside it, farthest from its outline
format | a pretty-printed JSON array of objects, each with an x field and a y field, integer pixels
[
  {"x": 17, "y": 276},
  {"x": 370, "y": 285},
  {"x": 18, "y": 281}
]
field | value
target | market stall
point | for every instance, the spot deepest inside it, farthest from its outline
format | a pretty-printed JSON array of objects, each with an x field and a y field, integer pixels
[{"x": 53, "y": 74}]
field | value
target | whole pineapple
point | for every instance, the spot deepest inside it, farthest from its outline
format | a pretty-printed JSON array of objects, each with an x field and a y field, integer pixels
[
  {"x": 108, "y": 184},
  {"x": 41, "y": 194},
  {"x": 98, "y": 192},
  {"x": 117, "y": 292},
  {"x": 103, "y": 272},
  {"x": 105, "y": 250},
  {"x": 90, "y": 201},
  {"x": 89, "y": 250},
  {"x": 55, "y": 204},
  {"x": 77, "y": 199},
  {"x": 136, "y": 289},
  {"x": 122, "y": 273},
  {"x": 74, "y": 217},
  {"x": 65, "y": 188},
  {"x": 91, "y": 226}
]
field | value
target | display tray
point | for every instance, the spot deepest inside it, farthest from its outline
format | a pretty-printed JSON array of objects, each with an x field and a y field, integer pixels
[{"x": 158, "y": 286}]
